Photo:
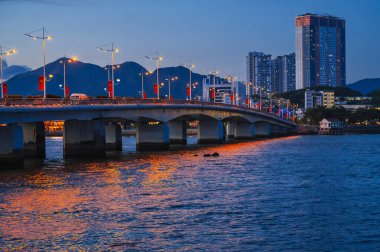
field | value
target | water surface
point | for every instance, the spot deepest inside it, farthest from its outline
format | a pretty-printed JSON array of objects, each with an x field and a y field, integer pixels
[{"x": 306, "y": 193}]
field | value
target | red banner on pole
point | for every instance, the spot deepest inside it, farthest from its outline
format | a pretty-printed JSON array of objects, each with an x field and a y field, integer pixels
[
  {"x": 5, "y": 89},
  {"x": 246, "y": 101},
  {"x": 110, "y": 88},
  {"x": 232, "y": 97},
  {"x": 213, "y": 94},
  {"x": 155, "y": 88},
  {"x": 171, "y": 97},
  {"x": 279, "y": 112},
  {"x": 293, "y": 117},
  {"x": 40, "y": 83},
  {"x": 187, "y": 91},
  {"x": 67, "y": 91},
  {"x": 144, "y": 95},
  {"x": 270, "y": 109}
]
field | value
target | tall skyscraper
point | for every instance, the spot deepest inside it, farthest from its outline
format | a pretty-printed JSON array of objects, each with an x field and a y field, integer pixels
[
  {"x": 320, "y": 51},
  {"x": 258, "y": 72},
  {"x": 283, "y": 73}
]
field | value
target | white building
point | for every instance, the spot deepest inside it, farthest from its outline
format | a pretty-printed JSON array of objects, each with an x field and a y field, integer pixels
[
  {"x": 315, "y": 99},
  {"x": 330, "y": 126},
  {"x": 227, "y": 93}
]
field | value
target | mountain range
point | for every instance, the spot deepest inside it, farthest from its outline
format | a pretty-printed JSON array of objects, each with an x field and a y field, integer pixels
[
  {"x": 366, "y": 86},
  {"x": 92, "y": 79},
  {"x": 10, "y": 71}
]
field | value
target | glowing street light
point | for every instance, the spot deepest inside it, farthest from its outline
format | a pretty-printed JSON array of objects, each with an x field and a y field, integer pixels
[
  {"x": 45, "y": 36},
  {"x": 68, "y": 60},
  {"x": 142, "y": 74},
  {"x": 157, "y": 59},
  {"x": 110, "y": 48},
  {"x": 2, "y": 54},
  {"x": 190, "y": 67},
  {"x": 170, "y": 79},
  {"x": 214, "y": 73}
]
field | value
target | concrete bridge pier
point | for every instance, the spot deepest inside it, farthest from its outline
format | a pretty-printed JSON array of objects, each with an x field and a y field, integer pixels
[
  {"x": 113, "y": 137},
  {"x": 210, "y": 131},
  {"x": 11, "y": 147},
  {"x": 263, "y": 129},
  {"x": 34, "y": 139},
  {"x": 245, "y": 131},
  {"x": 152, "y": 136},
  {"x": 230, "y": 131},
  {"x": 283, "y": 131},
  {"x": 275, "y": 130},
  {"x": 84, "y": 138},
  {"x": 177, "y": 132}
]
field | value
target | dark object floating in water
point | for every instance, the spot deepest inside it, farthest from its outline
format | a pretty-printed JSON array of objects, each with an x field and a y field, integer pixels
[{"x": 215, "y": 154}]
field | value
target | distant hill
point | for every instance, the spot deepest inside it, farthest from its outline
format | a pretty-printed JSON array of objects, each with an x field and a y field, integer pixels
[
  {"x": 92, "y": 79},
  {"x": 365, "y": 86},
  {"x": 13, "y": 70}
]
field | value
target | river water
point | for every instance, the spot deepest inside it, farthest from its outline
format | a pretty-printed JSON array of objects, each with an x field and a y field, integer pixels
[{"x": 303, "y": 193}]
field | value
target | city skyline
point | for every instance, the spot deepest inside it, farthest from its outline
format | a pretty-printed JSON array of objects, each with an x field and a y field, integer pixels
[{"x": 210, "y": 34}]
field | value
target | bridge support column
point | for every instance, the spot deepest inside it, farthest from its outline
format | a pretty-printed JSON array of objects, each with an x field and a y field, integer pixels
[
  {"x": 283, "y": 131},
  {"x": 152, "y": 136},
  {"x": 230, "y": 131},
  {"x": 263, "y": 129},
  {"x": 244, "y": 131},
  {"x": 210, "y": 131},
  {"x": 113, "y": 137},
  {"x": 84, "y": 138},
  {"x": 275, "y": 130},
  {"x": 11, "y": 147},
  {"x": 177, "y": 132},
  {"x": 34, "y": 139}
]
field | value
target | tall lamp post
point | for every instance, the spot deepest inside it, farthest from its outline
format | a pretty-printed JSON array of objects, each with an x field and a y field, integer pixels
[
  {"x": 68, "y": 60},
  {"x": 2, "y": 54},
  {"x": 45, "y": 36},
  {"x": 214, "y": 73},
  {"x": 190, "y": 67},
  {"x": 157, "y": 59},
  {"x": 170, "y": 79},
  {"x": 112, "y": 49},
  {"x": 142, "y": 74}
]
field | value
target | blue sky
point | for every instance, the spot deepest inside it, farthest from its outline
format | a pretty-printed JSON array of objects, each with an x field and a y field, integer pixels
[{"x": 209, "y": 33}]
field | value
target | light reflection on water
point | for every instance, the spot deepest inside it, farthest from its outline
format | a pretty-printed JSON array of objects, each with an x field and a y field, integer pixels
[{"x": 295, "y": 193}]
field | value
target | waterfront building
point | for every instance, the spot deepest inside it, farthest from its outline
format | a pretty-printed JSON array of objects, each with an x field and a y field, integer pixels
[
  {"x": 258, "y": 72},
  {"x": 330, "y": 126},
  {"x": 320, "y": 51},
  {"x": 315, "y": 99},
  {"x": 283, "y": 74}
]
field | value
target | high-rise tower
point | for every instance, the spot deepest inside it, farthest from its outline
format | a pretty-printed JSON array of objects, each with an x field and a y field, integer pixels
[{"x": 320, "y": 51}]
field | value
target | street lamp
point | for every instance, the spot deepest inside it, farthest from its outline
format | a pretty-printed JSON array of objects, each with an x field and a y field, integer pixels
[
  {"x": 214, "y": 73},
  {"x": 110, "y": 48},
  {"x": 45, "y": 36},
  {"x": 190, "y": 67},
  {"x": 157, "y": 59},
  {"x": 142, "y": 74},
  {"x": 2, "y": 54},
  {"x": 232, "y": 79},
  {"x": 108, "y": 70},
  {"x": 170, "y": 79},
  {"x": 68, "y": 60}
]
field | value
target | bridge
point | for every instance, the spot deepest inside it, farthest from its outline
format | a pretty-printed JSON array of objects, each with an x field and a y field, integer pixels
[{"x": 92, "y": 126}]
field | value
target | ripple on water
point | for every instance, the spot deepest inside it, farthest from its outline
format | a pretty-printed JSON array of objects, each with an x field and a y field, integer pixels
[{"x": 296, "y": 193}]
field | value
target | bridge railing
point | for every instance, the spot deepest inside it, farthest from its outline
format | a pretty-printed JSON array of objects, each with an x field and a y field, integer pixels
[{"x": 57, "y": 102}]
